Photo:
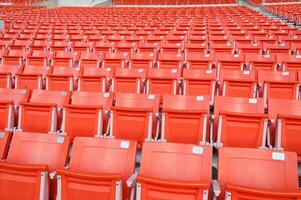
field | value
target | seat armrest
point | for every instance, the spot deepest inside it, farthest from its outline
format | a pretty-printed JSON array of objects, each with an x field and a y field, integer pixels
[
  {"x": 132, "y": 180},
  {"x": 216, "y": 188}
]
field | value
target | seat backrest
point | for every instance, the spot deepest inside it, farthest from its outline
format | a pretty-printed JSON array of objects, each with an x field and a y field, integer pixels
[
  {"x": 129, "y": 80},
  {"x": 237, "y": 115},
  {"x": 283, "y": 106},
  {"x": 238, "y": 83},
  {"x": 162, "y": 81},
  {"x": 180, "y": 113},
  {"x": 60, "y": 78},
  {"x": 93, "y": 99},
  {"x": 92, "y": 79},
  {"x": 238, "y": 105},
  {"x": 60, "y": 98},
  {"x": 191, "y": 161},
  {"x": 142, "y": 60},
  {"x": 5, "y": 138},
  {"x": 170, "y": 60},
  {"x": 199, "y": 60},
  {"x": 114, "y": 156},
  {"x": 115, "y": 60},
  {"x": 276, "y": 76},
  {"x": 39, "y": 149},
  {"x": 132, "y": 116},
  {"x": 290, "y": 62},
  {"x": 278, "y": 170},
  {"x": 62, "y": 59},
  {"x": 279, "y": 84},
  {"x": 15, "y": 95}
]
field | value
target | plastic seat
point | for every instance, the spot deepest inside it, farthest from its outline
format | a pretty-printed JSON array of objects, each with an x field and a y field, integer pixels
[
  {"x": 261, "y": 62},
  {"x": 171, "y": 47},
  {"x": 282, "y": 85},
  {"x": 287, "y": 115},
  {"x": 102, "y": 178},
  {"x": 235, "y": 83},
  {"x": 278, "y": 48},
  {"x": 89, "y": 60},
  {"x": 290, "y": 62},
  {"x": 162, "y": 81},
  {"x": 153, "y": 39},
  {"x": 199, "y": 61},
  {"x": 238, "y": 115},
  {"x": 170, "y": 61},
  {"x": 44, "y": 106},
  {"x": 80, "y": 46},
  {"x": 62, "y": 59},
  {"x": 196, "y": 37},
  {"x": 142, "y": 60},
  {"x": 227, "y": 48},
  {"x": 31, "y": 158},
  {"x": 185, "y": 119},
  {"x": 94, "y": 79},
  {"x": 14, "y": 95},
  {"x": 134, "y": 117},
  {"x": 61, "y": 78},
  {"x": 14, "y": 57},
  {"x": 84, "y": 116},
  {"x": 59, "y": 45},
  {"x": 229, "y": 61},
  {"x": 37, "y": 58},
  {"x": 239, "y": 178},
  {"x": 19, "y": 45},
  {"x": 103, "y": 47},
  {"x": 249, "y": 48},
  {"x": 129, "y": 80},
  {"x": 199, "y": 82},
  {"x": 196, "y": 48},
  {"x": 187, "y": 174},
  {"x": 147, "y": 47},
  {"x": 5, "y": 138},
  {"x": 41, "y": 45},
  {"x": 125, "y": 47},
  {"x": 31, "y": 77},
  {"x": 115, "y": 60}
]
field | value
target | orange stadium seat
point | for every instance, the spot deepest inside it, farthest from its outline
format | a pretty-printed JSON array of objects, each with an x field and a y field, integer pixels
[
  {"x": 134, "y": 117},
  {"x": 282, "y": 85},
  {"x": 185, "y": 119},
  {"x": 94, "y": 79},
  {"x": 261, "y": 62},
  {"x": 238, "y": 115},
  {"x": 84, "y": 116},
  {"x": 101, "y": 178},
  {"x": 129, "y": 80},
  {"x": 162, "y": 81},
  {"x": 199, "y": 82},
  {"x": 278, "y": 174},
  {"x": 27, "y": 171},
  {"x": 186, "y": 175},
  {"x": 45, "y": 106},
  {"x": 237, "y": 83},
  {"x": 288, "y": 126}
]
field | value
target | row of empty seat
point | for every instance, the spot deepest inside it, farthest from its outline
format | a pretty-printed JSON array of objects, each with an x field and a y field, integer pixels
[
  {"x": 141, "y": 117},
  {"x": 168, "y": 170},
  {"x": 171, "y": 2},
  {"x": 83, "y": 90},
  {"x": 290, "y": 12}
]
